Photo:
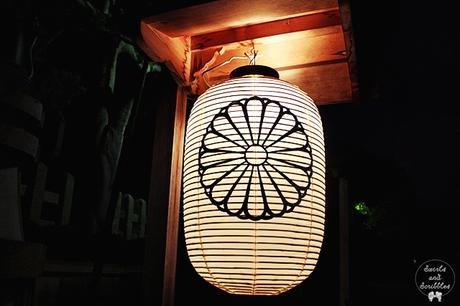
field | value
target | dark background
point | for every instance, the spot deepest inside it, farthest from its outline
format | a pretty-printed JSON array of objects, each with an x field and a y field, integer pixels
[{"x": 397, "y": 147}]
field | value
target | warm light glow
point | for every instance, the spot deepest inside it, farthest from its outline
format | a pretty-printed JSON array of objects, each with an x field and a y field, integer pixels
[{"x": 254, "y": 186}]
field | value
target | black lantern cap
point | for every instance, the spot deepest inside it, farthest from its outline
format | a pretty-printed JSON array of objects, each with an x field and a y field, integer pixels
[{"x": 254, "y": 70}]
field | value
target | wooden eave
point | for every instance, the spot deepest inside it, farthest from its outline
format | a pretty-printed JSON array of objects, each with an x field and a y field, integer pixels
[{"x": 308, "y": 42}]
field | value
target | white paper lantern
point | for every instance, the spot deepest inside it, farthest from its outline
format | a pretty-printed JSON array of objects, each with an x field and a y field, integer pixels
[{"x": 254, "y": 184}]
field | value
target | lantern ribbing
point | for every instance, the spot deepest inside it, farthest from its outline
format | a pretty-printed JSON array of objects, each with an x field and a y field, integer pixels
[{"x": 254, "y": 186}]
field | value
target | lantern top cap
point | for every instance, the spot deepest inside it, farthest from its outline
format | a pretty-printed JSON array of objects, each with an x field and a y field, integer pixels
[{"x": 258, "y": 70}]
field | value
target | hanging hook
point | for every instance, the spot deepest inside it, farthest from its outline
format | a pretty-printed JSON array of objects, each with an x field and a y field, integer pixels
[{"x": 252, "y": 54}]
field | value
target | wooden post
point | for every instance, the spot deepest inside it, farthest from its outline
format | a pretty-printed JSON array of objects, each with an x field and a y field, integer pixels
[
  {"x": 344, "y": 283},
  {"x": 175, "y": 189},
  {"x": 345, "y": 15},
  {"x": 164, "y": 203}
]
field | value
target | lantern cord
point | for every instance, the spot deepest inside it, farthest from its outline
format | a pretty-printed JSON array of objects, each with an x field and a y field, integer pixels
[{"x": 251, "y": 55}]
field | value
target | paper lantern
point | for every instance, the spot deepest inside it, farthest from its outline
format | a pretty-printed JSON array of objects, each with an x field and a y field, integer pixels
[{"x": 254, "y": 184}]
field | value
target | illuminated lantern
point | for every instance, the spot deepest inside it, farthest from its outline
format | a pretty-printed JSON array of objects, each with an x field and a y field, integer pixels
[{"x": 254, "y": 184}]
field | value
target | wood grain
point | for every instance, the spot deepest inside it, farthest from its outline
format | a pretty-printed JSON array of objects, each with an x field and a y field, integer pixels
[
  {"x": 223, "y": 14},
  {"x": 289, "y": 25},
  {"x": 175, "y": 191},
  {"x": 345, "y": 15},
  {"x": 157, "y": 210},
  {"x": 282, "y": 52},
  {"x": 164, "y": 202},
  {"x": 325, "y": 84},
  {"x": 173, "y": 52}
]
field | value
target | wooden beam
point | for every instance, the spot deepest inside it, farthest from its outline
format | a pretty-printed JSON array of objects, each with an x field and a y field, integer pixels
[
  {"x": 175, "y": 189},
  {"x": 289, "y": 25},
  {"x": 289, "y": 50},
  {"x": 173, "y": 52},
  {"x": 345, "y": 16},
  {"x": 223, "y": 14}
]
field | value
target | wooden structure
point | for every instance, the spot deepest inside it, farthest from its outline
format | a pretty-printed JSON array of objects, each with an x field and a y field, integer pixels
[
  {"x": 130, "y": 217},
  {"x": 308, "y": 42},
  {"x": 22, "y": 117},
  {"x": 39, "y": 195}
]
